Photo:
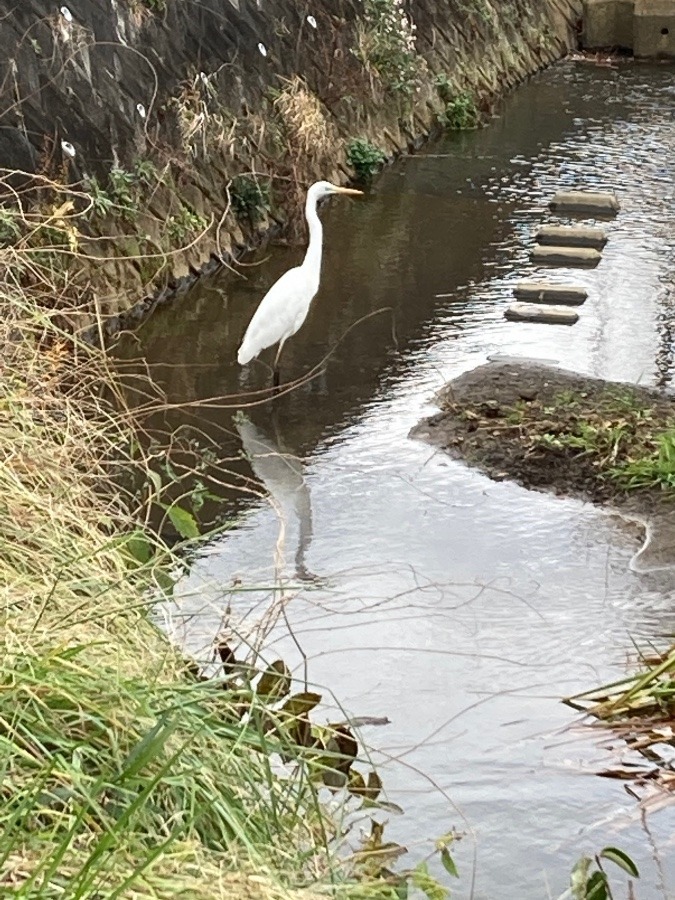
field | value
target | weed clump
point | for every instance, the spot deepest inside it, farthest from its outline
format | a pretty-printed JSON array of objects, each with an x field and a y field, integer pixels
[
  {"x": 460, "y": 112},
  {"x": 250, "y": 197},
  {"x": 387, "y": 46},
  {"x": 365, "y": 159},
  {"x": 122, "y": 193},
  {"x": 185, "y": 224},
  {"x": 304, "y": 121}
]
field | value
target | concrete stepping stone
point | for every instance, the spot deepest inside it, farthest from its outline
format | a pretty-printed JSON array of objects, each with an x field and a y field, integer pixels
[
  {"x": 594, "y": 202},
  {"x": 571, "y": 236},
  {"x": 542, "y": 292},
  {"x": 541, "y": 312},
  {"x": 565, "y": 256}
]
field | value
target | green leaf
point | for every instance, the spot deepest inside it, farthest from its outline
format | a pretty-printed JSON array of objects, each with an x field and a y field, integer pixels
[
  {"x": 301, "y": 703},
  {"x": 449, "y": 863},
  {"x": 275, "y": 681},
  {"x": 148, "y": 749},
  {"x": 164, "y": 582},
  {"x": 184, "y": 523},
  {"x": 426, "y": 883},
  {"x": 579, "y": 877},
  {"x": 620, "y": 859},
  {"x": 374, "y": 786},
  {"x": 356, "y": 785},
  {"x": 139, "y": 547},
  {"x": 597, "y": 887}
]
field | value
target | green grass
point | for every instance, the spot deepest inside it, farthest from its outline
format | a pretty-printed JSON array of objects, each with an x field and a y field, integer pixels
[
  {"x": 655, "y": 469},
  {"x": 646, "y": 698},
  {"x": 124, "y": 774},
  {"x": 621, "y": 436}
]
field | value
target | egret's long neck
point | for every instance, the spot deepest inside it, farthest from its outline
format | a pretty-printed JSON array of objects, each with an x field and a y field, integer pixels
[{"x": 312, "y": 261}]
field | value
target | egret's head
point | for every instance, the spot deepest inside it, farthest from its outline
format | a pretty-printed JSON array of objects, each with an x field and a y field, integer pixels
[{"x": 324, "y": 189}]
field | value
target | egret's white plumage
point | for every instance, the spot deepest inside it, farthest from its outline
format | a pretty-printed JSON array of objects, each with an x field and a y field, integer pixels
[{"x": 284, "y": 307}]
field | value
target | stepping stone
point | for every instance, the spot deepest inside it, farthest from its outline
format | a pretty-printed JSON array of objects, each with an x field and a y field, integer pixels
[
  {"x": 601, "y": 204},
  {"x": 571, "y": 236},
  {"x": 565, "y": 256},
  {"x": 540, "y": 312},
  {"x": 541, "y": 292}
]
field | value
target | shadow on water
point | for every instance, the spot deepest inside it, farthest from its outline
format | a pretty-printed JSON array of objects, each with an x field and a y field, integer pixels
[{"x": 460, "y": 608}]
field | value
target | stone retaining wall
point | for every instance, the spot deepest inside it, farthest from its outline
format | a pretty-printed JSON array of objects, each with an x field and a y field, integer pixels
[{"x": 181, "y": 97}]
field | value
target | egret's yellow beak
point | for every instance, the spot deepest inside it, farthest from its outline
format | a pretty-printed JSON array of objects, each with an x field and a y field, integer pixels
[{"x": 351, "y": 191}]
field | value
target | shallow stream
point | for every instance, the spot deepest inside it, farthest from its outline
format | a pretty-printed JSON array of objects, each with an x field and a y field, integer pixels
[{"x": 460, "y": 608}]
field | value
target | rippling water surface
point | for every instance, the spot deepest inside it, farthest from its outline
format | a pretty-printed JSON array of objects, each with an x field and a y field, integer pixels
[{"x": 459, "y": 608}]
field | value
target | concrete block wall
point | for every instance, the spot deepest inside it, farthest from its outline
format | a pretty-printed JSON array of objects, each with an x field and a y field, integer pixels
[
  {"x": 108, "y": 77},
  {"x": 654, "y": 29},
  {"x": 645, "y": 27}
]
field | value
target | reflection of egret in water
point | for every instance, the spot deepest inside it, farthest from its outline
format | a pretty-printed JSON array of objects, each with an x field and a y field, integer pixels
[{"x": 282, "y": 474}]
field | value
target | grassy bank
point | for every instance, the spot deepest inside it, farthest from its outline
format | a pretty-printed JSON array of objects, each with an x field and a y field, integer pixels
[
  {"x": 554, "y": 430},
  {"x": 124, "y": 772}
]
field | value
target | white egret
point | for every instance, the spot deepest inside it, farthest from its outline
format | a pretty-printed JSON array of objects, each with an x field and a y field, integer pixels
[{"x": 284, "y": 307}]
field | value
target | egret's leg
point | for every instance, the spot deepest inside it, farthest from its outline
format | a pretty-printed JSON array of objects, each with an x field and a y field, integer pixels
[{"x": 275, "y": 368}]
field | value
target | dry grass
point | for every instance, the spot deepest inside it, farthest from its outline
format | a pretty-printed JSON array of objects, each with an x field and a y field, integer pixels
[
  {"x": 641, "y": 709},
  {"x": 309, "y": 146},
  {"x": 302, "y": 114},
  {"x": 123, "y": 774},
  {"x": 202, "y": 122}
]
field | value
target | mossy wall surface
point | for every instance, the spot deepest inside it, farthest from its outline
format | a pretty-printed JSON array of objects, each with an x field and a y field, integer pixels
[{"x": 183, "y": 97}]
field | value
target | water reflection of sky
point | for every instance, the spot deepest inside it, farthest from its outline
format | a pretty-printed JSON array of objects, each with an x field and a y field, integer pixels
[{"x": 459, "y": 608}]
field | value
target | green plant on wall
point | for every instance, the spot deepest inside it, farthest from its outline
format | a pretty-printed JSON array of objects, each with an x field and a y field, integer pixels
[
  {"x": 365, "y": 158},
  {"x": 121, "y": 195},
  {"x": 250, "y": 197},
  {"x": 460, "y": 111},
  {"x": 184, "y": 225},
  {"x": 387, "y": 45}
]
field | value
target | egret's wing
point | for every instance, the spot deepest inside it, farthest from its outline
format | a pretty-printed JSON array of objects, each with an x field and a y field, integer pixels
[{"x": 277, "y": 317}]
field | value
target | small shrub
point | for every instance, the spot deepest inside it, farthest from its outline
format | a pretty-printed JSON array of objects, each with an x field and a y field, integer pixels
[
  {"x": 184, "y": 225},
  {"x": 101, "y": 202},
  {"x": 250, "y": 197},
  {"x": 117, "y": 198},
  {"x": 365, "y": 158},
  {"x": 121, "y": 195},
  {"x": 145, "y": 171},
  {"x": 460, "y": 111},
  {"x": 387, "y": 45}
]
